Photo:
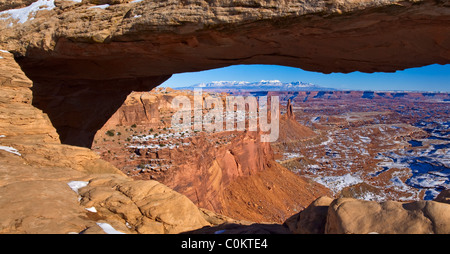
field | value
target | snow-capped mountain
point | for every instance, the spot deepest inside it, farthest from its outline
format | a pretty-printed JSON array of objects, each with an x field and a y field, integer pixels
[{"x": 263, "y": 85}]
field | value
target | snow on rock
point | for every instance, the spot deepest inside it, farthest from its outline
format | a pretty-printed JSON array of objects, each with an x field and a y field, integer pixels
[
  {"x": 76, "y": 185},
  {"x": 108, "y": 228},
  {"x": 22, "y": 15},
  {"x": 218, "y": 232},
  {"x": 10, "y": 150}
]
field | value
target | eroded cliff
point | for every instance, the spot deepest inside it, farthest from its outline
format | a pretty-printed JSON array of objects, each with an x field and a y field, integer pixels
[{"x": 84, "y": 59}]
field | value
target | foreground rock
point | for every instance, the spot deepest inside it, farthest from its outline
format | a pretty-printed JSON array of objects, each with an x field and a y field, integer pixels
[
  {"x": 46, "y": 187},
  {"x": 85, "y": 58},
  {"x": 444, "y": 196},
  {"x": 353, "y": 216},
  {"x": 229, "y": 172},
  {"x": 362, "y": 217}
]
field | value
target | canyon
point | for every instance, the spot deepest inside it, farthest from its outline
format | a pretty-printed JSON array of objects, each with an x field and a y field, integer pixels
[{"x": 67, "y": 68}]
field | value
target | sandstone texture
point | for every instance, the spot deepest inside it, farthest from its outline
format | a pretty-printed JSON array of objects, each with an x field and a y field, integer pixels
[
  {"x": 246, "y": 31},
  {"x": 67, "y": 66},
  {"x": 47, "y": 187},
  {"x": 353, "y": 216}
]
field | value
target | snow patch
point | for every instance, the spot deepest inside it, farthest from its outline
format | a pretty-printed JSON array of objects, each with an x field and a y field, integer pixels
[
  {"x": 2, "y": 136},
  {"x": 103, "y": 6},
  {"x": 10, "y": 150},
  {"x": 4, "y": 51},
  {"x": 337, "y": 183},
  {"x": 23, "y": 15},
  {"x": 108, "y": 228}
]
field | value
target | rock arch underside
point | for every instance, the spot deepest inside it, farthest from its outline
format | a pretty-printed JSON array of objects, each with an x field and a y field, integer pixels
[{"x": 71, "y": 65}]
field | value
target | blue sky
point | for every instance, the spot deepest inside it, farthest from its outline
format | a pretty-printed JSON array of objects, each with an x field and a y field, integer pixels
[{"x": 428, "y": 78}]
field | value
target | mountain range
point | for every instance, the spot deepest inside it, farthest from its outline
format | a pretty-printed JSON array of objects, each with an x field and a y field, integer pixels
[{"x": 263, "y": 85}]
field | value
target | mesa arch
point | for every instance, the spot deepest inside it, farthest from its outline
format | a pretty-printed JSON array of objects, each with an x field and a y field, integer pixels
[{"x": 84, "y": 61}]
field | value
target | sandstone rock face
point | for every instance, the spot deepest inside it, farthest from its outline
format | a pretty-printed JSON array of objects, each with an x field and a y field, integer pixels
[
  {"x": 201, "y": 26},
  {"x": 148, "y": 207},
  {"x": 284, "y": 194},
  {"x": 313, "y": 219},
  {"x": 78, "y": 108},
  {"x": 362, "y": 217},
  {"x": 231, "y": 179},
  {"x": 226, "y": 172},
  {"x": 85, "y": 58},
  {"x": 138, "y": 108}
]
